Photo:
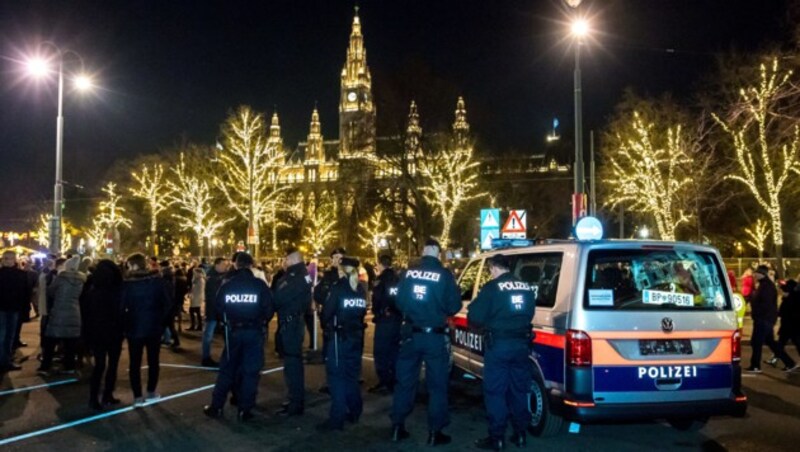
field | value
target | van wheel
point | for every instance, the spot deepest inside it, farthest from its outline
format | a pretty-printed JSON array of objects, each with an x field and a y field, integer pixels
[
  {"x": 688, "y": 424},
  {"x": 543, "y": 421}
]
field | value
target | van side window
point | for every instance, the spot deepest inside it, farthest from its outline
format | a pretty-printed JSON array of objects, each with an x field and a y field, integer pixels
[
  {"x": 486, "y": 276},
  {"x": 542, "y": 272},
  {"x": 467, "y": 281}
]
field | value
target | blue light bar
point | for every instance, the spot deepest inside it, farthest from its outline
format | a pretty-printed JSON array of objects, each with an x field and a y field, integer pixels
[{"x": 512, "y": 243}]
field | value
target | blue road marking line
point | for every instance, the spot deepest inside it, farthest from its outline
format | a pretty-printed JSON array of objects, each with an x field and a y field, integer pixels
[
  {"x": 31, "y": 388},
  {"x": 100, "y": 416}
]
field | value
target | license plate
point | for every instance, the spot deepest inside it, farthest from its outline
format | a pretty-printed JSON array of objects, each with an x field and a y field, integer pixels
[{"x": 657, "y": 347}]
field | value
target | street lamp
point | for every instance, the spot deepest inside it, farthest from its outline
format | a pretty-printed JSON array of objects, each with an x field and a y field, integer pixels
[
  {"x": 644, "y": 232},
  {"x": 39, "y": 67},
  {"x": 579, "y": 30}
]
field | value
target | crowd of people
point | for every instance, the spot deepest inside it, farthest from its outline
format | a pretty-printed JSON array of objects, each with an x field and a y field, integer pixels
[{"x": 90, "y": 309}]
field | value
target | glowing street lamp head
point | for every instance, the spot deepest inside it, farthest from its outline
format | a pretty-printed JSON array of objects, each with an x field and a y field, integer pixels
[
  {"x": 37, "y": 67},
  {"x": 579, "y": 28},
  {"x": 83, "y": 82}
]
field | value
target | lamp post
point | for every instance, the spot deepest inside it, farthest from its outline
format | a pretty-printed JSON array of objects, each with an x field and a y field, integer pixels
[
  {"x": 579, "y": 29},
  {"x": 39, "y": 67}
]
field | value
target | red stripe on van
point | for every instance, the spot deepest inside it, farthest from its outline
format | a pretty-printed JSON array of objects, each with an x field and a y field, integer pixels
[{"x": 550, "y": 339}]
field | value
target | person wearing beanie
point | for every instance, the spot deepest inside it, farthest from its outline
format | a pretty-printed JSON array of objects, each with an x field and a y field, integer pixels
[{"x": 64, "y": 317}]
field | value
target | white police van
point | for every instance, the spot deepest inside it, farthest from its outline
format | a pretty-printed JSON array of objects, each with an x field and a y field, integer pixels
[{"x": 624, "y": 330}]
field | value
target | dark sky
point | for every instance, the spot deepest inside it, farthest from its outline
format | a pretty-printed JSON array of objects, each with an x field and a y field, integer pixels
[{"x": 173, "y": 69}]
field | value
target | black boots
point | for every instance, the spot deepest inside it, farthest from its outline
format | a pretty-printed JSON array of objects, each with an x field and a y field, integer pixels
[
  {"x": 212, "y": 412},
  {"x": 489, "y": 443},
  {"x": 399, "y": 433},
  {"x": 519, "y": 439},
  {"x": 438, "y": 438}
]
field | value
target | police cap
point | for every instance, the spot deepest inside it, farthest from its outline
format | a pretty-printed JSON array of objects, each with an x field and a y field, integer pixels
[
  {"x": 244, "y": 260},
  {"x": 338, "y": 250},
  {"x": 499, "y": 261},
  {"x": 348, "y": 261}
]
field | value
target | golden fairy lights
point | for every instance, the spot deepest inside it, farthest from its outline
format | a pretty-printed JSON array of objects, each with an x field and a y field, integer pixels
[
  {"x": 151, "y": 187},
  {"x": 758, "y": 235},
  {"x": 649, "y": 174},
  {"x": 766, "y": 143},
  {"x": 377, "y": 228}
]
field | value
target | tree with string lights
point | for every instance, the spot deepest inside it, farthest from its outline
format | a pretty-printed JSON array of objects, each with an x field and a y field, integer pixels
[
  {"x": 43, "y": 232},
  {"x": 248, "y": 169},
  {"x": 152, "y": 187},
  {"x": 374, "y": 230},
  {"x": 647, "y": 170},
  {"x": 321, "y": 226},
  {"x": 450, "y": 180},
  {"x": 758, "y": 235},
  {"x": 112, "y": 215},
  {"x": 193, "y": 198},
  {"x": 766, "y": 142}
]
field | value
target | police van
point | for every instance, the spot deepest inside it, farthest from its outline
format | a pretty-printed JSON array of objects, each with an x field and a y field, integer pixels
[{"x": 624, "y": 330}]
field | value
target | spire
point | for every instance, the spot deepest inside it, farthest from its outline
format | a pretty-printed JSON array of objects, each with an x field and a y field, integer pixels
[
  {"x": 314, "y": 151},
  {"x": 356, "y": 65},
  {"x": 275, "y": 127},
  {"x": 461, "y": 126},
  {"x": 413, "y": 130}
]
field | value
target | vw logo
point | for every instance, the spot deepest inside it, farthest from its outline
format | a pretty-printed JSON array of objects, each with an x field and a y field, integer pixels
[{"x": 667, "y": 325}]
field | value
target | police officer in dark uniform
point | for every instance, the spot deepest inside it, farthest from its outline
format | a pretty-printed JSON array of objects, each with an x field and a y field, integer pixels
[
  {"x": 427, "y": 295},
  {"x": 330, "y": 277},
  {"x": 503, "y": 310},
  {"x": 343, "y": 317},
  {"x": 292, "y": 299},
  {"x": 387, "y": 321},
  {"x": 246, "y": 306}
]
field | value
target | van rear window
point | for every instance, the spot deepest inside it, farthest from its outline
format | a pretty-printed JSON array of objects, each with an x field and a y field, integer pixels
[{"x": 655, "y": 279}]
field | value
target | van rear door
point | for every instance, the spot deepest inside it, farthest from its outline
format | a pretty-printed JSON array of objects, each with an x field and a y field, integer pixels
[{"x": 661, "y": 325}]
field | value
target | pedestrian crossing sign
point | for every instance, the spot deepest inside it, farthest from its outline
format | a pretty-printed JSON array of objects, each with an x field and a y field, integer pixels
[{"x": 487, "y": 235}]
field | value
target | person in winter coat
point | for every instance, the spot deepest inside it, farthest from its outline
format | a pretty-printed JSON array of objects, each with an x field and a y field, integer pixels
[
  {"x": 197, "y": 299},
  {"x": 174, "y": 305},
  {"x": 789, "y": 313},
  {"x": 14, "y": 296},
  {"x": 748, "y": 283},
  {"x": 101, "y": 305},
  {"x": 145, "y": 307},
  {"x": 64, "y": 317},
  {"x": 213, "y": 282},
  {"x": 764, "y": 310}
]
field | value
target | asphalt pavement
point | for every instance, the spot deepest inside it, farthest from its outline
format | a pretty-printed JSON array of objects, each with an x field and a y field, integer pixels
[{"x": 52, "y": 413}]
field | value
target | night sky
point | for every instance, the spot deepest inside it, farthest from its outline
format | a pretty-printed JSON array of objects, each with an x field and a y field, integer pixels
[{"x": 171, "y": 70}]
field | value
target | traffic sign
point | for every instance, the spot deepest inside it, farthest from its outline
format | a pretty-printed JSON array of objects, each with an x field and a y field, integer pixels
[
  {"x": 487, "y": 235},
  {"x": 516, "y": 225},
  {"x": 490, "y": 218}
]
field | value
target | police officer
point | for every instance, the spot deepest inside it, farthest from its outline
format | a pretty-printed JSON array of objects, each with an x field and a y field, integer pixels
[
  {"x": 427, "y": 296},
  {"x": 343, "y": 317},
  {"x": 246, "y": 306},
  {"x": 292, "y": 299},
  {"x": 321, "y": 291},
  {"x": 387, "y": 321},
  {"x": 503, "y": 310}
]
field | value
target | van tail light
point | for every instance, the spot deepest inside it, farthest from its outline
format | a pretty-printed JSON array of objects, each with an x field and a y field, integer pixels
[
  {"x": 579, "y": 348},
  {"x": 736, "y": 346}
]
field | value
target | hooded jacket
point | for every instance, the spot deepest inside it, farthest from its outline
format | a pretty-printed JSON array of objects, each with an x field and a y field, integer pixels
[{"x": 64, "y": 314}]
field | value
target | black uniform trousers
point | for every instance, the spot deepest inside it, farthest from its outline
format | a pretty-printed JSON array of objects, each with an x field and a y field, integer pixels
[
  {"x": 506, "y": 384},
  {"x": 240, "y": 366},
  {"x": 763, "y": 334},
  {"x": 434, "y": 350},
  {"x": 386, "y": 347},
  {"x": 290, "y": 346},
  {"x": 343, "y": 371}
]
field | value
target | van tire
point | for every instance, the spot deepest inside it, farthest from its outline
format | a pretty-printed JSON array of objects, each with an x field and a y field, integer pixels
[
  {"x": 544, "y": 422},
  {"x": 688, "y": 424}
]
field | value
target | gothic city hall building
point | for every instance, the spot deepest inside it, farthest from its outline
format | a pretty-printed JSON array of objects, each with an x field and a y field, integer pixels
[{"x": 352, "y": 176}]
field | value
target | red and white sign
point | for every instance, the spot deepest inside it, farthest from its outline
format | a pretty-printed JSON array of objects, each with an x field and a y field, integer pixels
[{"x": 516, "y": 225}]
